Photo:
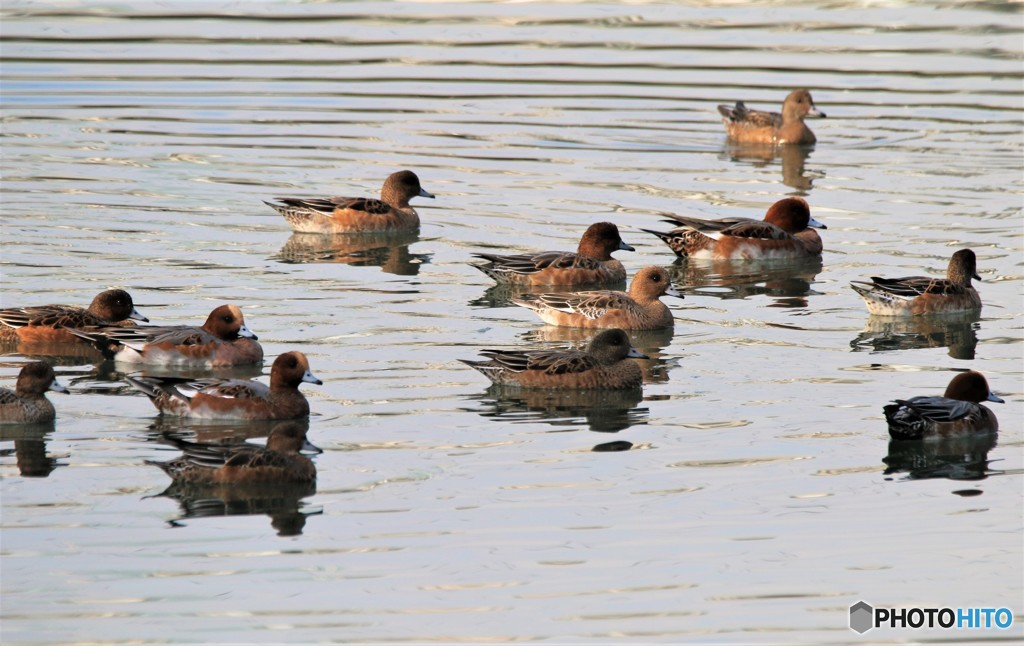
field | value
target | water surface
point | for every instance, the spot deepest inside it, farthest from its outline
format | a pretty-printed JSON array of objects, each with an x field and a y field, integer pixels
[{"x": 751, "y": 494}]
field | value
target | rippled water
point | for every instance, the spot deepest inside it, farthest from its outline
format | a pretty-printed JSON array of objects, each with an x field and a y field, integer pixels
[{"x": 750, "y": 495}]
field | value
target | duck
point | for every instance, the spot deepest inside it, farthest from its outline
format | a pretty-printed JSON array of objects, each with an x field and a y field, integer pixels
[
  {"x": 639, "y": 309},
  {"x": 27, "y": 403},
  {"x": 604, "y": 365},
  {"x": 234, "y": 398},
  {"x": 281, "y": 461},
  {"x": 919, "y": 295},
  {"x": 591, "y": 264},
  {"x": 222, "y": 341},
  {"x": 786, "y": 233},
  {"x": 958, "y": 412},
  {"x": 391, "y": 213},
  {"x": 51, "y": 323},
  {"x": 746, "y": 126}
]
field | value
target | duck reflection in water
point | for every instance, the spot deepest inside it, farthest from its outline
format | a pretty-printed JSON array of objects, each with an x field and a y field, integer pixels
[
  {"x": 389, "y": 251},
  {"x": 107, "y": 376},
  {"x": 788, "y": 282},
  {"x": 958, "y": 332},
  {"x": 652, "y": 343},
  {"x": 792, "y": 158},
  {"x": 239, "y": 478},
  {"x": 953, "y": 458},
  {"x": 55, "y": 353},
  {"x": 502, "y": 295},
  {"x": 282, "y": 503},
  {"x": 606, "y": 411},
  {"x": 213, "y": 431},
  {"x": 30, "y": 448}
]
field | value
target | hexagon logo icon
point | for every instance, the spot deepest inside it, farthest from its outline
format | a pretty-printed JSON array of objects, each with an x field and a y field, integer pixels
[{"x": 861, "y": 617}]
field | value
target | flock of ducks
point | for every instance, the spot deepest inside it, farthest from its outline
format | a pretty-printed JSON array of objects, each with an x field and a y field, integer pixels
[{"x": 585, "y": 300}]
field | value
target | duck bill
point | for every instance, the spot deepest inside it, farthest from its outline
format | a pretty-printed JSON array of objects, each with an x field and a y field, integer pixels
[
  {"x": 138, "y": 317},
  {"x": 815, "y": 113},
  {"x": 310, "y": 448},
  {"x": 625, "y": 247},
  {"x": 992, "y": 397},
  {"x": 816, "y": 224},
  {"x": 310, "y": 379},
  {"x": 672, "y": 291},
  {"x": 58, "y": 388},
  {"x": 975, "y": 276},
  {"x": 423, "y": 193},
  {"x": 247, "y": 333},
  {"x": 636, "y": 354}
]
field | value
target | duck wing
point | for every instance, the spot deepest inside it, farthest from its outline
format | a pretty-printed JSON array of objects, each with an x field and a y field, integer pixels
[
  {"x": 553, "y": 362},
  {"x": 591, "y": 305},
  {"x": 912, "y": 286},
  {"x": 938, "y": 409}
]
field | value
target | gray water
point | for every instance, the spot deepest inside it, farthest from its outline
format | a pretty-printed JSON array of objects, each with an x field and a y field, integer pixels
[{"x": 751, "y": 495}]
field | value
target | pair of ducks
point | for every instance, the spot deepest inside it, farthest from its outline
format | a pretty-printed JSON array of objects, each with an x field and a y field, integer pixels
[
  {"x": 108, "y": 323},
  {"x": 392, "y": 212}
]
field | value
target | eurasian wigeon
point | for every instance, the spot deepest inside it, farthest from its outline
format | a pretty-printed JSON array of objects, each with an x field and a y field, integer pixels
[
  {"x": 957, "y": 412},
  {"x": 27, "y": 403},
  {"x": 747, "y": 126},
  {"x": 357, "y": 214},
  {"x": 280, "y": 461},
  {"x": 234, "y": 398},
  {"x": 222, "y": 341},
  {"x": 50, "y": 323},
  {"x": 640, "y": 309},
  {"x": 605, "y": 365},
  {"x": 592, "y": 264},
  {"x": 916, "y": 295},
  {"x": 786, "y": 232}
]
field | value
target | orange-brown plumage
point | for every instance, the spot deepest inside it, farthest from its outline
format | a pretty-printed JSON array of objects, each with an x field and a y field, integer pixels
[
  {"x": 605, "y": 365},
  {"x": 222, "y": 341},
  {"x": 639, "y": 309},
  {"x": 591, "y": 264},
  {"x": 786, "y": 232},
  {"x": 50, "y": 323},
  {"x": 234, "y": 398},
  {"x": 281, "y": 461},
  {"x": 391, "y": 213},
  {"x": 747, "y": 126}
]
